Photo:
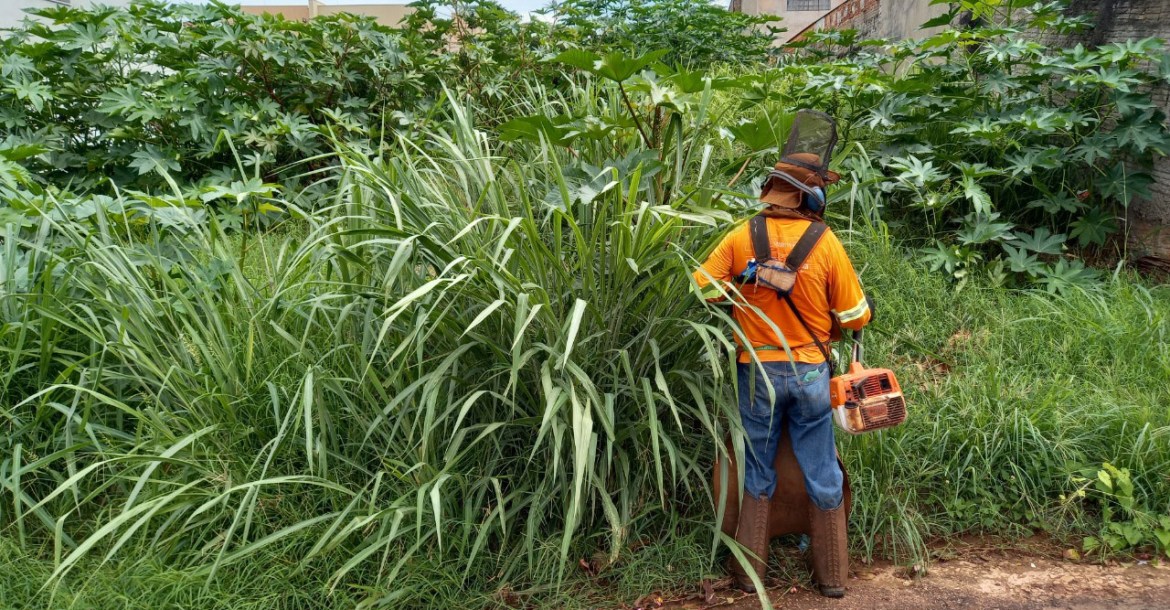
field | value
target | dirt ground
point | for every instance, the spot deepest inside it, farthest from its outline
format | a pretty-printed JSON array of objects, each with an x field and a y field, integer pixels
[{"x": 971, "y": 577}]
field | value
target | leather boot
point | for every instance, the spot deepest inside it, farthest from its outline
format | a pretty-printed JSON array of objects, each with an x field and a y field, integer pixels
[
  {"x": 830, "y": 550},
  {"x": 752, "y": 534}
]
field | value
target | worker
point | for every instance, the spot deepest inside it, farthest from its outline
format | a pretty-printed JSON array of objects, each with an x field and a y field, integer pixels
[{"x": 826, "y": 293}]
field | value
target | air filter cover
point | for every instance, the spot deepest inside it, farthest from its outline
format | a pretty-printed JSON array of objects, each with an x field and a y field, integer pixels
[{"x": 865, "y": 400}]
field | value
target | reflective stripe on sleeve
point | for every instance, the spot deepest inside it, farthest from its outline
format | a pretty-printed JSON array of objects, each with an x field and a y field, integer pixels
[{"x": 854, "y": 312}]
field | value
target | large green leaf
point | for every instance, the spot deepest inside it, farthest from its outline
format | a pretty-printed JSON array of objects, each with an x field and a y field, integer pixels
[
  {"x": 1124, "y": 184},
  {"x": 915, "y": 171},
  {"x": 615, "y": 65},
  {"x": 984, "y": 228},
  {"x": 1067, "y": 275},
  {"x": 34, "y": 92},
  {"x": 757, "y": 134},
  {"x": 1058, "y": 203},
  {"x": 1021, "y": 261},
  {"x": 154, "y": 160},
  {"x": 1041, "y": 241},
  {"x": 1094, "y": 227},
  {"x": 534, "y": 128}
]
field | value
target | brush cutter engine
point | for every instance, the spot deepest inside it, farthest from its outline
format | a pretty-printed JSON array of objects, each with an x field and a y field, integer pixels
[{"x": 866, "y": 399}]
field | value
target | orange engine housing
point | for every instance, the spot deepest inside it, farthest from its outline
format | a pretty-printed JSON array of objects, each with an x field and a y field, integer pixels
[{"x": 866, "y": 399}]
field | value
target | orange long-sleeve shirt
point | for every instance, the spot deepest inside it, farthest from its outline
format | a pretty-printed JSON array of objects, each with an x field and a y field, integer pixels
[{"x": 826, "y": 287}]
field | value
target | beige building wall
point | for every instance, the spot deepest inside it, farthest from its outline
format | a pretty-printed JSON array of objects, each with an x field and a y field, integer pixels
[
  {"x": 895, "y": 19},
  {"x": 288, "y": 11},
  {"x": 795, "y": 21},
  {"x": 386, "y": 14},
  {"x": 12, "y": 11}
]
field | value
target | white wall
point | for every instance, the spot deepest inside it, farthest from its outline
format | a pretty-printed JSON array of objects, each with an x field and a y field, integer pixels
[{"x": 12, "y": 11}]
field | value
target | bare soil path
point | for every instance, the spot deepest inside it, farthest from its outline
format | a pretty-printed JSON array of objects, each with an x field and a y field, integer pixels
[{"x": 979, "y": 579}]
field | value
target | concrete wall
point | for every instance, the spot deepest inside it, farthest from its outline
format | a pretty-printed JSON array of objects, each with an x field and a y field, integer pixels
[
  {"x": 12, "y": 11},
  {"x": 901, "y": 19},
  {"x": 860, "y": 15},
  {"x": 893, "y": 19},
  {"x": 795, "y": 21}
]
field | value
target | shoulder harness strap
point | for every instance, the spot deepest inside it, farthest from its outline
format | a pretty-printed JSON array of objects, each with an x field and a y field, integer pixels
[
  {"x": 809, "y": 240},
  {"x": 762, "y": 246}
]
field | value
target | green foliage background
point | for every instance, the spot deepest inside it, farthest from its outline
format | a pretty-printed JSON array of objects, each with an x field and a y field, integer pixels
[{"x": 112, "y": 95}]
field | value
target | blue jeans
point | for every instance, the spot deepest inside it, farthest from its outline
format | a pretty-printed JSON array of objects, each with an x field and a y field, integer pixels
[{"x": 801, "y": 399}]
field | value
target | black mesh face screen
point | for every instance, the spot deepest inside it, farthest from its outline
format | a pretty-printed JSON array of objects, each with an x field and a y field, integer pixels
[{"x": 811, "y": 141}]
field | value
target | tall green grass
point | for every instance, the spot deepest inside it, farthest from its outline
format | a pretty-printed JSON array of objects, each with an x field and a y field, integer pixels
[
  {"x": 446, "y": 370},
  {"x": 1012, "y": 396},
  {"x": 474, "y": 366}
]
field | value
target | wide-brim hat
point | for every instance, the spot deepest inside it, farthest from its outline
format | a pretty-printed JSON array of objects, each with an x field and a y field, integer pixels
[{"x": 778, "y": 192}]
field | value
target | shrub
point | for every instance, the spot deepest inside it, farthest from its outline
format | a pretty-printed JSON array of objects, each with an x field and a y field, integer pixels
[
  {"x": 460, "y": 352},
  {"x": 692, "y": 33},
  {"x": 113, "y": 95},
  {"x": 994, "y": 150}
]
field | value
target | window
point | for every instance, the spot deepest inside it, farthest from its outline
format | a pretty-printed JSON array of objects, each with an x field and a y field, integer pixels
[{"x": 809, "y": 5}]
